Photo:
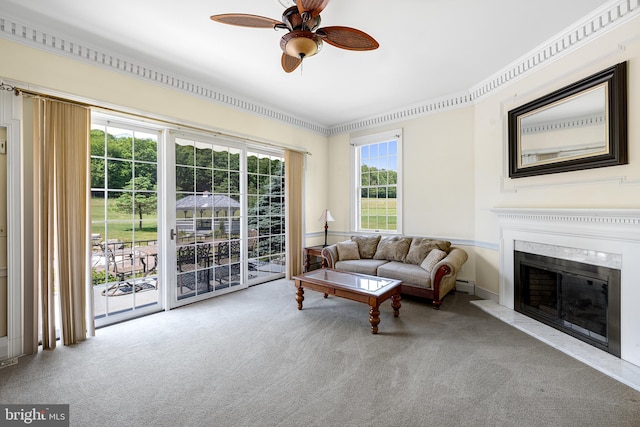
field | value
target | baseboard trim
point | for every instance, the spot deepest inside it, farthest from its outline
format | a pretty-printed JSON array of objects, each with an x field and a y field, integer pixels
[
  {"x": 8, "y": 362},
  {"x": 487, "y": 295},
  {"x": 466, "y": 286}
]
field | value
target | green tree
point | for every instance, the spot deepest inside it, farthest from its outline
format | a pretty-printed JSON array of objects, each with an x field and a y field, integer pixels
[
  {"x": 380, "y": 183},
  {"x": 268, "y": 216},
  {"x": 140, "y": 198}
]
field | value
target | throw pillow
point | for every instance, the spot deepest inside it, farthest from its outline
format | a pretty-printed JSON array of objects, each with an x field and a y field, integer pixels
[
  {"x": 367, "y": 245},
  {"x": 421, "y": 246},
  {"x": 347, "y": 250},
  {"x": 393, "y": 248},
  {"x": 434, "y": 257}
]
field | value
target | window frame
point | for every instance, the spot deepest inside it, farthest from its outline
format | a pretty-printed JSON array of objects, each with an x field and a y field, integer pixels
[{"x": 356, "y": 144}]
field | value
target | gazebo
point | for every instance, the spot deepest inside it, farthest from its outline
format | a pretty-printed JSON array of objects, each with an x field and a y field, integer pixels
[{"x": 205, "y": 208}]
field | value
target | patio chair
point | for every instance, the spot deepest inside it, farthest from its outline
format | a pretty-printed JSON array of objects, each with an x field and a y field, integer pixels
[
  {"x": 195, "y": 261},
  {"x": 125, "y": 266},
  {"x": 228, "y": 261}
]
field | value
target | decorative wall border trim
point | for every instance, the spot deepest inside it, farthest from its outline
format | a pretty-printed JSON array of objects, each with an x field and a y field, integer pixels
[
  {"x": 346, "y": 235},
  {"x": 430, "y": 107},
  {"x": 602, "y": 20},
  {"x": 599, "y": 22},
  {"x": 14, "y": 31},
  {"x": 577, "y": 122}
]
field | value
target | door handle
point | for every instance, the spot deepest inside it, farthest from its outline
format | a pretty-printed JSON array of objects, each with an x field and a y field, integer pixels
[{"x": 172, "y": 233}]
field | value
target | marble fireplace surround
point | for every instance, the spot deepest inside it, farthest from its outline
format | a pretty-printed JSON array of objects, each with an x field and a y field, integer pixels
[{"x": 609, "y": 237}]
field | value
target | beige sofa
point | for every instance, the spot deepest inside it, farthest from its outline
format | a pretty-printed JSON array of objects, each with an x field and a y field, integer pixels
[{"x": 427, "y": 267}]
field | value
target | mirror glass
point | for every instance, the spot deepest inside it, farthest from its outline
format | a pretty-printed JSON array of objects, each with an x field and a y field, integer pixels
[
  {"x": 571, "y": 128},
  {"x": 580, "y": 126}
]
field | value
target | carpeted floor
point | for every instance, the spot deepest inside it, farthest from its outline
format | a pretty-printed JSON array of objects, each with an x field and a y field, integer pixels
[{"x": 252, "y": 359}]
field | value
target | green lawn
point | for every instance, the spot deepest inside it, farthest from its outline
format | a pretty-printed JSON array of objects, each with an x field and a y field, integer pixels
[
  {"x": 121, "y": 226},
  {"x": 376, "y": 212}
]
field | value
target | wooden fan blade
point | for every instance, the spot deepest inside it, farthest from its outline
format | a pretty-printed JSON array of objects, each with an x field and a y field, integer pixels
[
  {"x": 347, "y": 38},
  {"x": 314, "y": 7},
  {"x": 245, "y": 20},
  {"x": 290, "y": 63}
]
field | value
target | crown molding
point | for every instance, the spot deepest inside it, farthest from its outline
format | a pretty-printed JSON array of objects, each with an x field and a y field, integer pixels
[
  {"x": 432, "y": 106},
  {"x": 13, "y": 30},
  {"x": 601, "y": 21}
]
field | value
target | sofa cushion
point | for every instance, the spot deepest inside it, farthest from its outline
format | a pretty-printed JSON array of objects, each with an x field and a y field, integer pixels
[
  {"x": 421, "y": 246},
  {"x": 410, "y": 274},
  {"x": 347, "y": 250},
  {"x": 393, "y": 248},
  {"x": 434, "y": 257},
  {"x": 362, "y": 266},
  {"x": 367, "y": 245}
]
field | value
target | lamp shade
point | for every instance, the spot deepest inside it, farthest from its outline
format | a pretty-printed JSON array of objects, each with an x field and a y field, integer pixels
[
  {"x": 300, "y": 44},
  {"x": 326, "y": 216}
]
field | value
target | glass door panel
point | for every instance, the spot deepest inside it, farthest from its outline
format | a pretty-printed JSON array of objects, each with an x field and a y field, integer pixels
[
  {"x": 208, "y": 212},
  {"x": 229, "y": 217},
  {"x": 124, "y": 222},
  {"x": 266, "y": 230}
]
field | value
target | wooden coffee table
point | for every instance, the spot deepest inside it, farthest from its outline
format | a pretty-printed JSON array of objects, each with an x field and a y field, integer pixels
[{"x": 370, "y": 290}]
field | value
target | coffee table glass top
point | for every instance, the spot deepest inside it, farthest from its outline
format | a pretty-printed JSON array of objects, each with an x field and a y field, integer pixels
[{"x": 352, "y": 280}]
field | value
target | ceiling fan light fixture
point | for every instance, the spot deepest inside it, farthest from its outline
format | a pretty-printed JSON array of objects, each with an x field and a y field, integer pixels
[
  {"x": 300, "y": 44},
  {"x": 305, "y": 37}
]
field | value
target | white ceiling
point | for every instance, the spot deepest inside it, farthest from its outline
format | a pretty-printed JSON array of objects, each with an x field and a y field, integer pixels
[{"x": 429, "y": 49}]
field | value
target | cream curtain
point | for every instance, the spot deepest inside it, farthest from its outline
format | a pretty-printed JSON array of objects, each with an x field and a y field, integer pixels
[
  {"x": 293, "y": 166},
  {"x": 61, "y": 156}
]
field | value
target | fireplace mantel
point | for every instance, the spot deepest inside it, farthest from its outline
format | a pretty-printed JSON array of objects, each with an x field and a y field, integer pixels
[
  {"x": 612, "y": 231},
  {"x": 606, "y": 223}
]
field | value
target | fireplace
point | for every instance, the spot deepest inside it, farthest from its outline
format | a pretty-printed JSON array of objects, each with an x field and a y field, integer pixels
[
  {"x": 603, "y": 237},
  {"x": 580, "y": 299}
]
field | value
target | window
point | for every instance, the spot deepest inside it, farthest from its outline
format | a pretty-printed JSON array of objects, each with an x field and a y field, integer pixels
[{"x": 377, "y": 175}]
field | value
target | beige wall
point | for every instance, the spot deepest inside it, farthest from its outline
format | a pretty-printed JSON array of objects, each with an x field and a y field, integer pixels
[
  {"x": 611, "y": 187},
  {"x": 438, "y": 171}
]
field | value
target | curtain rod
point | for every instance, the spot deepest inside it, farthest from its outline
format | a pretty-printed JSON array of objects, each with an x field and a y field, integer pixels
[{"x": 20, "y": 91}]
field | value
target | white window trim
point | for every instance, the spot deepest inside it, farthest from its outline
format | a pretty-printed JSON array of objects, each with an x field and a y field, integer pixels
[
  {"x": 395, "y": 134},
  {"x": 12, "y": 345}
]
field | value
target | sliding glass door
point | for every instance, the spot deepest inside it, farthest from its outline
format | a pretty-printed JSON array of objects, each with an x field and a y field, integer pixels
[
  {"x": 217, "y": 227},
  {"x": 227, "y": 212}
]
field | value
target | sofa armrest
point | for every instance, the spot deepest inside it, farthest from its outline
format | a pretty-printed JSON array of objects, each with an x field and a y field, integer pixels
[
  {"x": 330, "y": 254},
  {"x": 443, "y": 275}
]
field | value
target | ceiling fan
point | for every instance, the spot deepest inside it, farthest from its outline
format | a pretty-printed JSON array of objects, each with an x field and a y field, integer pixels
[{"x": 304, "y": 38}]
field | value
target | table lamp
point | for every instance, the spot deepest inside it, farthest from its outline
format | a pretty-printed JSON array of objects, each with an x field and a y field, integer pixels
[{"x": 326, "y": 217}]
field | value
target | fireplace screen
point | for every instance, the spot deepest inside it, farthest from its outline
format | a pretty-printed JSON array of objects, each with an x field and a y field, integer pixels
[{"x": 582, "y": 300}]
